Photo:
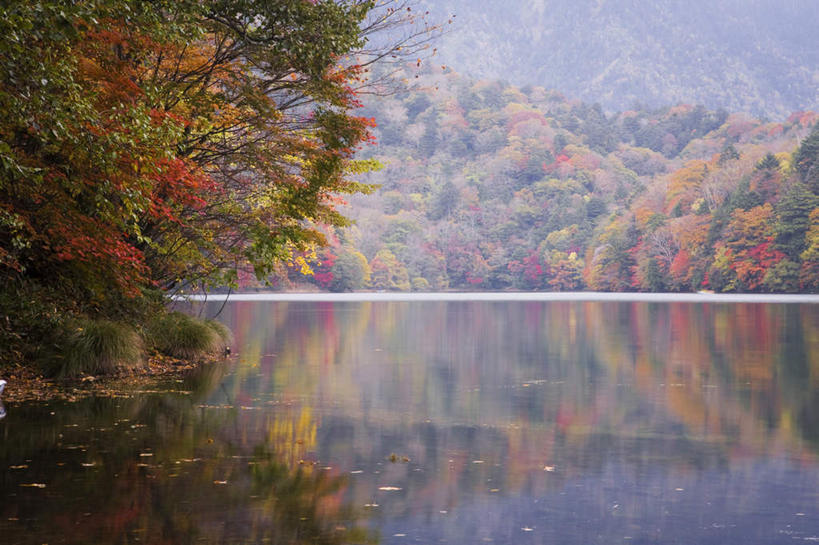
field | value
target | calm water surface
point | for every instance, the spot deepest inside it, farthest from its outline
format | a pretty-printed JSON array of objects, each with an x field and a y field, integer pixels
[{"x": 456, "y": 422}]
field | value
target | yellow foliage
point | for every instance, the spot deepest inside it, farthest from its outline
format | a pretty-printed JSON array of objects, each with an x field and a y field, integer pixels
[{"x": 683, "y": 183}]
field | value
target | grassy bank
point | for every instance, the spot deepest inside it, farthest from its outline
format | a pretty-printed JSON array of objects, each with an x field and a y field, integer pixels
[{"x": 34, "y": 335}]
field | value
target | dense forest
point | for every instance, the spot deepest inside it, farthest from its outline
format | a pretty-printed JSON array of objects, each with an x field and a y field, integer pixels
[
  {"x": 486, "y": 186},
  {"x": 755, "y": 56}
]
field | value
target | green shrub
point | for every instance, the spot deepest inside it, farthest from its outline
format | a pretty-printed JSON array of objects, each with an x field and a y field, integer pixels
[
  {"x": 181, "y": 336},
  {"x": 95, "y": 347}
]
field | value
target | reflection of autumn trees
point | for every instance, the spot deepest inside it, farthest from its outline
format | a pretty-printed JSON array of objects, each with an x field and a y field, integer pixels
[
  {"x": 168, "y": 470},
  {"x": 299, "y": 505},
  {"x": 547, "y": 377},
  {"x": 439, "y": 356}
]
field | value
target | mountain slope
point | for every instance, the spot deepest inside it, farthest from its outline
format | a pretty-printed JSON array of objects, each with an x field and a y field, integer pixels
[
  {"x": 757, "y": 56},
  {"x": 487, "y": 186}
]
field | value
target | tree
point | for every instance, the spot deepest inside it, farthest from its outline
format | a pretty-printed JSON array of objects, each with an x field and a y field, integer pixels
[
  {"x": 388, "y": 273},
  {"x": 566, "y": 271},
  {"x": 728, "y": 153},
  {"x": 792, "y": 219},
  {"x": 809, "y": 271},
  {"x": 158, "y": 146},
  {"x": 782, "y": 277},
  {"x": 683, "y": 185},
  {"x": 769, "y": 162},
  {"x": 806, "y": 160},
  {"x": 749, "y": 246},
  {"x": 445, "y": 201},
  {"x": 611, "y": 262},
  {"x": 350, "y": 272},
  {"x": 654, "y": 277},
  {"x": 323, "y": 273},
  {"x": 680, "y": 270}
]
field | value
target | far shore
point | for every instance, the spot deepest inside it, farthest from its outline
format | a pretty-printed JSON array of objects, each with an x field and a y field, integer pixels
[{"x": 701, "y": 297}]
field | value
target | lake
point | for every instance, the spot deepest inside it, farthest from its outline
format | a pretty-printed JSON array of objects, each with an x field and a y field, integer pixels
[{"x": 506, "y": 421}]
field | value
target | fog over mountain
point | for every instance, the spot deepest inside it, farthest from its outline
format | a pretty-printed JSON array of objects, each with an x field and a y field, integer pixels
[{"x": 757, "y": 56}]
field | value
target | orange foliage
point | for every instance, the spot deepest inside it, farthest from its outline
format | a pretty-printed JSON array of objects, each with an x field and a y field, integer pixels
[{"x": 683, "y": 183}]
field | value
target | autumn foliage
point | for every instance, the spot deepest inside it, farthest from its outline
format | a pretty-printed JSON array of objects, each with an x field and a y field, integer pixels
[
  {"x": 153, "y": 148},
  {"x": 488, "y": 186}
]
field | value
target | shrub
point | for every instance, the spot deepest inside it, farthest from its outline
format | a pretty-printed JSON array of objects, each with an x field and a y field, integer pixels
[
  {"x": 95, "y": 347},
  {"x": 181, "y": 336}
]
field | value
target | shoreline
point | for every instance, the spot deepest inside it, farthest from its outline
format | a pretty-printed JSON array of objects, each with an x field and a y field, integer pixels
[
  {"x": 503, "y": 296},
  {"x": 27, "y": 384}
]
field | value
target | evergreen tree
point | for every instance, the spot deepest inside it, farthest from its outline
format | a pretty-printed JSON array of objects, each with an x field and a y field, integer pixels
[
  {"x": 806, "y": 160},
  {"x": 793, "y": 219}
]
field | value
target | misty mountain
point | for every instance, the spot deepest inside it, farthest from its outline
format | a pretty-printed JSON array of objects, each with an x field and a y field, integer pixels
[{"x": 757, "y": 56}]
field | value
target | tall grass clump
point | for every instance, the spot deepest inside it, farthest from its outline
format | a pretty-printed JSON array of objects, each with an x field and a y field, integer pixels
[
  {"x": 181, "y": 336},
  {"x": 224, "y": 332},
  {"x": 95, "y": 347}
]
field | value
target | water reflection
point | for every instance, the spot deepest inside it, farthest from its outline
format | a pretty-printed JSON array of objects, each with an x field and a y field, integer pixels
[
  {"x": 714, "y": 369},
  {"x": 166, "y": 469},
  {"x": 524, "y": 422}
]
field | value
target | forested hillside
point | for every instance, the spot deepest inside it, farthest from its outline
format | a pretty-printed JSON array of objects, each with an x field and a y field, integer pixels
[
  {"x": 493, "y": 187},
  {"x": 756, "y": 56}
]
